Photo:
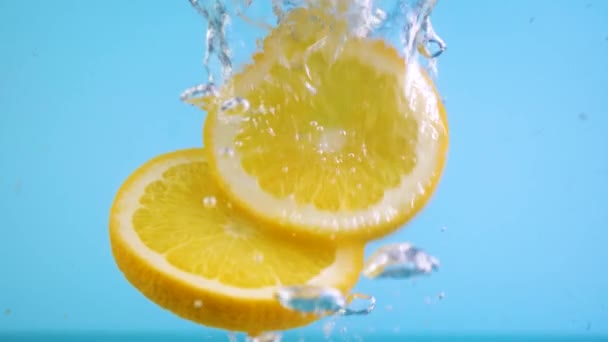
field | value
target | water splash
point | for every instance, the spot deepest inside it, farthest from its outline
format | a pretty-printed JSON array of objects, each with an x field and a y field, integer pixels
[
  {"x": 365, "y": 18},
  {"x": 215, "y": 14}
]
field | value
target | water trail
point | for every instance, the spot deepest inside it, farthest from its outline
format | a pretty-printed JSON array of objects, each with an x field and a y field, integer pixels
[{"x": 215, "y": 14}]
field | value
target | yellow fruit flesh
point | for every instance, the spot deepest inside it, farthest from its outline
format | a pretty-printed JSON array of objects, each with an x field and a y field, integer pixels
[
  {"x": 330, "y": 140},
  {"x": 210, "y": 241},
  {"x": 322, "y": 145},
  {"x": 183, "y": 245}
]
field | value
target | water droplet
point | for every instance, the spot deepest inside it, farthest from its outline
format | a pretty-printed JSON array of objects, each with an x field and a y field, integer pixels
[
  {"x": 441, "y": 295},
  {"x": 320, "y": 128},
  {"x": 271, "y": 132},
  {"x": 198, "y": 303},
  {"x": 285, "y": 169},
  {"x": 314, "y": 123},
  {"x": 209, "y": 201}
]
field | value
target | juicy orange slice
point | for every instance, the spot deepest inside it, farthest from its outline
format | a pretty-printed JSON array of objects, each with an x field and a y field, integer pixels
[
  {"x": 180, "y": 242},
  {"x": 327, "y": 134}
]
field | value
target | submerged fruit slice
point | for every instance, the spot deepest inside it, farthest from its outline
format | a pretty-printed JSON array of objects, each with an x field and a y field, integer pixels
[
  {"x": 180, "y": 242},
  {"x": 328, "y": 135}
]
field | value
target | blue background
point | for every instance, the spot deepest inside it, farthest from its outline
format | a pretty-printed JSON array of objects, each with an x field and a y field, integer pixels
[{"x": 89, "y": 90}]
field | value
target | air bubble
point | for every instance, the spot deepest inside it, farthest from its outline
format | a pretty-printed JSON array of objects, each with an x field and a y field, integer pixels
[
  {"x": 199, "y": 91},
  {"x": 285, "y": 169},
  {"x": 400, "y": 260},
  {"x": 310, "y": 88},
  {"x": 210, "y": 201},
  {"x": 198, "y": 303},
  {"x": 311, "y": 299},
  {"x": 227, "y": 152}
]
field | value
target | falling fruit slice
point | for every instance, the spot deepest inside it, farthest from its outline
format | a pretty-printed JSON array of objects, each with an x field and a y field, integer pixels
[
  {"x": 326, "y": 134},
  {"x": 179, "y": 241}
]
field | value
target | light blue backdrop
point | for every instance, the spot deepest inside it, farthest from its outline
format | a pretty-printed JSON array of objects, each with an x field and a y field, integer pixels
[{"x": 89, "y": 90}]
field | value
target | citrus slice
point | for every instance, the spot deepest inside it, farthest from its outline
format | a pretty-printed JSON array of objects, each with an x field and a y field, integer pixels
[
  {"x": 327, "y": 135},
  {"x": 180, "y": 242}
]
